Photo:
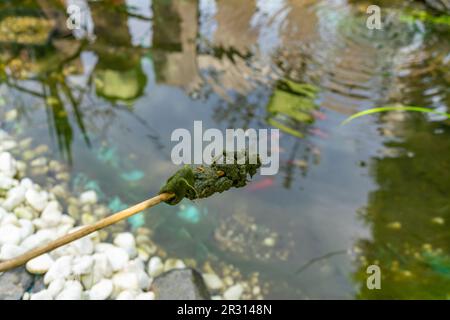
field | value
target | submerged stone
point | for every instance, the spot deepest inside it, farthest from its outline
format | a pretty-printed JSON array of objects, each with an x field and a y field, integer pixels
[
  {"x": 180, "y": 284},
  {"x": 14, "y": 283}
]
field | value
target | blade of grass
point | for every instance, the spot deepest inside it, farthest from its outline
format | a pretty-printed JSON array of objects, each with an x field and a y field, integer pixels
[{"x": 393, "y": 108}]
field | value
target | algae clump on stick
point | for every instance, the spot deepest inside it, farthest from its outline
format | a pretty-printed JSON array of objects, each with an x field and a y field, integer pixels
[{"x": 196, "y": 182}]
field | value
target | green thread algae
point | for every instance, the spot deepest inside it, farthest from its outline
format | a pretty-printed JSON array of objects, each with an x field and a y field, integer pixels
[{"x": 196, "y": 182}]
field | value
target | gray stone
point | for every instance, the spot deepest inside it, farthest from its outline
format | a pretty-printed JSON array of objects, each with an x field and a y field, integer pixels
[
  {"x": 14, "y": 283},
  {"x": 180, "y": 284},
  {"x": 38, "y": 285}
]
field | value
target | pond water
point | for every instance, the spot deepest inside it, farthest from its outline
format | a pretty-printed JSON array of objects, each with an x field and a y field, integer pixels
[{"x": 374, "y": 191}]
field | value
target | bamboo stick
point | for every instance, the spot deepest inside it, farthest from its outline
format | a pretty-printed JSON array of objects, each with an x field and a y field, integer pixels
[{"x": 84, "y": 231}]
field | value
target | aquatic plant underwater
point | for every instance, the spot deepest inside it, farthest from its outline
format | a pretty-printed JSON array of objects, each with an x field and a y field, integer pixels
[{"x": 395, "y": 108}]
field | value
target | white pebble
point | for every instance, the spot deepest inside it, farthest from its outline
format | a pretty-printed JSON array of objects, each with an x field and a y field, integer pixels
[
  {"x": 9, "y": 251},
  {"x": 41, "y": 295},
  {"x": 171, "y": 264},
  {"x": 39, "y": 224},
  {"x": 102, "y": 290},
  {"x": 101, "y": 269},
  {"x": 36, "y": 199},
  {"x": 7, "y": 183},
  {"x": 67, "y": 220},
  {"x": 10, "y": 234},
  {"x": 26, "y": 228},
  {"x": 38, "y": 162},
  {"x": 26, "y": 183},
  {"x": 11, "y": 115},
  {"x": 234, "y": 292},
  {"x": 117, "y": 257},
  {"x": 125, "y": 295},
  {"x": 126, "y": 241},
  {"x": 125, "y": 281},
  {"x": 40, "y": 265},
  {"x": 24, "y": 213},
  {"x": 83, "y": 246},
  {"x": 7, "y": 164},
  {"x": 10, "y": 218},
  {"x": 52, "y": 214},
  {"x": 8, "y": 145},
  {"x": 61, "y": 268},
  {"x": 269, "y": 242},
  {"x": 102, "y": 247},
  {"x": 212, "y": 281},
  {"x": 88, "y": 197},
  {"x": 3, "y": 214},
  {"x": 146, "y": 296},
  {"x": 82, "y": 265},
  {"x": 155, "y": 267},
  {"x": 138, "y": 268},
  {"x": 56, "y": 286},
  {"x": 102, "y": 266},
  {"x": 38, "y": 238},
  {"x": 63, "y": 230},
  {"x": 14, "y": 197},
  {"x": 72, "y": 291}
]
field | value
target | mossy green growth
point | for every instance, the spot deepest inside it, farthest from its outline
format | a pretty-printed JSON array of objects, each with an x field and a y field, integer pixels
[
  {"x": 195, "y": 182},
  {"x": 412, "y": 16}
]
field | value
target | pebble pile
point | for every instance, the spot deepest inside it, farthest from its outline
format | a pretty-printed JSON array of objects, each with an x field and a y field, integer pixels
[{"x": 109, "y": 264}]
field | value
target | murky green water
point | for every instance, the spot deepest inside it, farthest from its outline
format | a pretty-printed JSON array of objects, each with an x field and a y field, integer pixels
[{"x": 375, "y": 191}]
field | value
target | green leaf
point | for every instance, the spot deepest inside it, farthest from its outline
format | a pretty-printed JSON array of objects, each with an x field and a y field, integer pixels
[{"x": 394, "y": 108}]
